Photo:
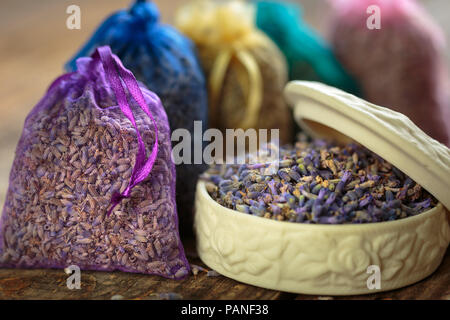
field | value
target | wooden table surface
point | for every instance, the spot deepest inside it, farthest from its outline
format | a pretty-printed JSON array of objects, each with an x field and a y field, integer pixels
[
  {"x": 34, "y": 45},
  {"x": 51, "y": 284}
]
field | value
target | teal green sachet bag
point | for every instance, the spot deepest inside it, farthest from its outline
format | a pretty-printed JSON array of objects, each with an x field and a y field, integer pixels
[{"x": 309, "y": 57}]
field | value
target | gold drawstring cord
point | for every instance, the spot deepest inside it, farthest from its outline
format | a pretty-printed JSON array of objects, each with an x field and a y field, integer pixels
[{"x": 216, "y": 80}]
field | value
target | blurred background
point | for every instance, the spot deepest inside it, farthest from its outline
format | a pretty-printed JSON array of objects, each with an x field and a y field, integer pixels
[{"x": 35, "y": 44}]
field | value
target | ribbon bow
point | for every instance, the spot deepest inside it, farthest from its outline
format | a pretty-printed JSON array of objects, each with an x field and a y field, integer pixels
[
  {"x": 228, "y": 30},
  {"x": 115, "y": 71}
]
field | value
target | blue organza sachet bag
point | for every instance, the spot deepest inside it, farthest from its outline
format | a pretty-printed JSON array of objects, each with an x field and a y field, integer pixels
[{"x": 165, "y": 61}]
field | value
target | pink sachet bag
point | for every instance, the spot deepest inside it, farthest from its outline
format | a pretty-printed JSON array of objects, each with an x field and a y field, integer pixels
[
  {"x": 92, "y": 183},
  {"x": 400, "y": 65}
]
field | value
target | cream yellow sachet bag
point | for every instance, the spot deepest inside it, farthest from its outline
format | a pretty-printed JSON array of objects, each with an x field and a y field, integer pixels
[{"x": 245, "y": 70}]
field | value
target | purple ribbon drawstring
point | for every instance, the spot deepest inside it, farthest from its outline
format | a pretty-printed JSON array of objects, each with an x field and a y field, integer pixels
[{"x": 113, "y": 68}]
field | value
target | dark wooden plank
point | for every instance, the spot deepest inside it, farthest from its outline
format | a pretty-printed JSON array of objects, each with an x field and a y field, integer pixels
[{"x": 51, "y": 284}]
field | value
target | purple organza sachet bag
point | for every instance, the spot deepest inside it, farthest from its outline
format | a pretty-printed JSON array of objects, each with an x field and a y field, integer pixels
[{"x": 92, "y": 183}]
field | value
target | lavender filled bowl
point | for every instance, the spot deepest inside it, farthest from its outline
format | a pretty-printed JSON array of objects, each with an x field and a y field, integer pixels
[{"x": 328, "y": 227}]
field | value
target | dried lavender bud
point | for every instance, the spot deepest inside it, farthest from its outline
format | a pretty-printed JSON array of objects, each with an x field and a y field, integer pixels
[
  {"x": 213, "y": 273},
  {"x": 76, "y": 151},
  {"x": 165, "y": 296},
  {"x": 346, "y": 184},
  {"x": 196, "y": 269}
]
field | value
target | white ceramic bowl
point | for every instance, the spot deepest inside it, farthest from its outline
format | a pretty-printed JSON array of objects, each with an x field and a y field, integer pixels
[
  {"x": 318, "y": 259},
  {"x": 336, "y": 259}
]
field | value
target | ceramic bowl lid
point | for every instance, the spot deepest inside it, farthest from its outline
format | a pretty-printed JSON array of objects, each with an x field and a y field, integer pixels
[{"x": 327, "y": 112}]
